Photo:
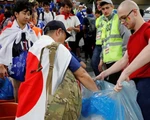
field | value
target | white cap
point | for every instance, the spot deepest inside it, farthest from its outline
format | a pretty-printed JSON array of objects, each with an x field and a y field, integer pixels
[
  {"x": 81, "y": 6},
  {"x": 107, "y": 1},
  {"x": 74, "y": 1}
]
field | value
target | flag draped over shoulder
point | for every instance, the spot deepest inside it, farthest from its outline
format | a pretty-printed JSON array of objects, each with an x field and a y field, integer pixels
[
  {"x": 32, "y": 93},
  {"x": 11, "y": 35}
]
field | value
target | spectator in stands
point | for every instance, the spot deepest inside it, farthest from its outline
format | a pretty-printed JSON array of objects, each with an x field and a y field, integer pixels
[
  {"x": 35, "y": 84},
  {"x": 71, "y": 23},
  {"x": 97, "y": 14},
  {"x": 6, "y": 4},
  {"x": 33, "y": 23},
  {"x": 47, "y": 15},
  {"x": 89, "y": 30},
  {"x": 113, "y": 37},
  {"x": 7, "y": 19},
  {"x": 81, "y": 15},
  {"x": 15, "y": 42}
]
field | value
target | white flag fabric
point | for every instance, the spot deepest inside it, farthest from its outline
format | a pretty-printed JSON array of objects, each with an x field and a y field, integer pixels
[
  {"x": 11, "y": 35},
  {"x": 32, "y": 92}
]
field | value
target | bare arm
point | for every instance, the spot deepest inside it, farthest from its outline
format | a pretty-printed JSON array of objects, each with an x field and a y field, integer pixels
[
  {"x": 118, "y": 66},
  {"x": 142, "y": 59},
  {"x": 76, "y": 29},
  {"x": 3, "y": 71},
  {"x": 83, "y": 64},
  {"x": 85, "y": 79},
  {"x": 100, "y": 65}
]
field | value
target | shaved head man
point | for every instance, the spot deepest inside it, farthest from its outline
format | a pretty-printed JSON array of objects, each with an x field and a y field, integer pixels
[
  {"x": 135, "y": 64},
  {"x": 137, "y": 54},
  {"x": 129, "y": 15}
]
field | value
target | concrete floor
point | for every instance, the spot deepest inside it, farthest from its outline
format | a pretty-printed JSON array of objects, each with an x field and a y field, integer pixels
[{"x": 88, "y": 66}]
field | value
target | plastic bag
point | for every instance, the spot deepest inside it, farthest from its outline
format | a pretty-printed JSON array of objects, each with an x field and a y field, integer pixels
[
  {"x": 6, "y": 89},
  {"x": 107, "y": 104},
  {"x": 17, "y": 69}
]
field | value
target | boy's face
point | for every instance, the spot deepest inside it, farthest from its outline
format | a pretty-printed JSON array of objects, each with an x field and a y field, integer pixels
[
  {"x": 74, "y": 4},
  {"x": 5, "y": 10},
  {"x": 67, "y": 9},
  {"x": 61, "y": 10},
  {"x": 34, "y": 18},
  {"x": 97, "y": 15},
  {"x": 107, "y": 9},
  {"x": 23, "y": 17},
  {"x": 80, "y": 8},
  {"x": 98, "y": 5},
  {"x": 46, "y": 7}
]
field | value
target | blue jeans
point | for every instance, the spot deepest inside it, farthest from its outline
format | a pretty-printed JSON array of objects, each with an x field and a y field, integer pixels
[
  {"x": 143, "y": 97},
  {"x": 96, "y": 59}
]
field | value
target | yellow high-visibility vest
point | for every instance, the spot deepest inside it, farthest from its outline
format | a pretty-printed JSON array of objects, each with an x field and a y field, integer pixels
[
  {"x": 99, "y": 25},
  {"x": 112, "y": 41}
]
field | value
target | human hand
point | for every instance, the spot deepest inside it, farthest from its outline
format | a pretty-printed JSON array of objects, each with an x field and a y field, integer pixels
[
  {"x": 3, "y": 71},
  {"x": 70, "y": 28},
  {"x": 102, "y": 75},
  {"x": 100, "y": 66},
  {"x": 123, "y": 77}
]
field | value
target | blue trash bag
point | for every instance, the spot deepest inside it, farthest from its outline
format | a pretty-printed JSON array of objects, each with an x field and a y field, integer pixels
[
  {"x": 6, "y": 89},
  {"x": 107, "y": 104},
  {"x": 17, "y": 69}
]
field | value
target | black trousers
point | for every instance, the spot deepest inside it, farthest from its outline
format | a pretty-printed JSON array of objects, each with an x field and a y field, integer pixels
[
  {"x": 113, "y": 77},
  {"x": 78, "y": 38},
  {"x": 72, "y": 45},
  {"x": 88, "y": 47},
  {"x": 143, "y": 96}
]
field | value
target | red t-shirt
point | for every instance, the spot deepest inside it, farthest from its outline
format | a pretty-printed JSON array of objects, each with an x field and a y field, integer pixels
[
  {"x": 135, "y": 45},
  {"x": 1, "y": 17}
]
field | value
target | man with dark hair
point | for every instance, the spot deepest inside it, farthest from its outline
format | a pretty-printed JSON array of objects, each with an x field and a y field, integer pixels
[
  {"x": 89, "y": 33},
  {"x": 97, "y": 13},
  {"x": 46, "y": 15},
  {"x": 81, "y": 14},
  {"x": 6, "y": 4},
  {"x": 71, "y": 23},
  {"x": 15, "y": 42},
  {"x": 1, "y": 9},
  {"x": 7, "y": 19},
  {"x": 35, "y": 83},
  {"x": 66, "y": 2}
]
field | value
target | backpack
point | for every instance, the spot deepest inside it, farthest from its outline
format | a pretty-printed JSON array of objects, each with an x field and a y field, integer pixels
[
  {"x": 65, "y": 104},
  {"x": 41, "y": 23},
  {"x": 43, "y": 15},
  {"x": 91, "y": 25}
]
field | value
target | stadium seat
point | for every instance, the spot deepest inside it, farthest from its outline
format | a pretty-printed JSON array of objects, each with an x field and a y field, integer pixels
[{"x": 8, "y": 110}]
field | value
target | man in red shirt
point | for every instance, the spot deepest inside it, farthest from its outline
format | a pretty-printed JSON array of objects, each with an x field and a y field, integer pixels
[
  {"x": 136, "y": 61},
  {"x": 1, "y": 17}
]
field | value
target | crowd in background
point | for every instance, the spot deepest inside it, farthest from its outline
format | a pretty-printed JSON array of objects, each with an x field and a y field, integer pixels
[{"x": 101, "y": 34}]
